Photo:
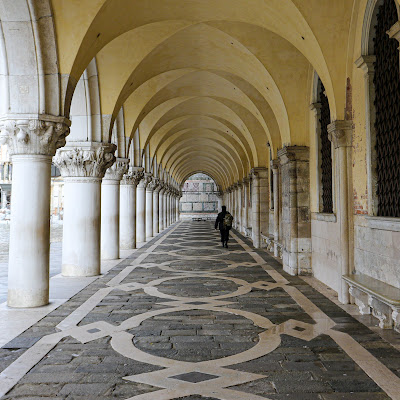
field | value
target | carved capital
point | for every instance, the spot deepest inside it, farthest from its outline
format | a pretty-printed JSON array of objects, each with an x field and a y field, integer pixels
[
  {"x": 366, "y": 64},
  {"x": 85, "y": 159},
  {"x": 36, "y": 134},
  {"x": 153, "y": 184},
  {"x": 145, "y": 181},
  {"x": 133, "y": 176},
  {"x": 275, "y": 164},
  {"x": 259, "y": 172},
  {"x": 117, "y": 170},
  {"x": 246, "y": 181},
  {"x": 293, "y": 153},
  {"x": 340, "y": 133}
]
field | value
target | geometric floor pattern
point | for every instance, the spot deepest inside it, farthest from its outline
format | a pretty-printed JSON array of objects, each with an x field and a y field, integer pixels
[{"x": 185, "y": 318}]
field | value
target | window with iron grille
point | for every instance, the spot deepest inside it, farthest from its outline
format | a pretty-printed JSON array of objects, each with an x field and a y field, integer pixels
[
  {"x": 387, "y": 108},
  {"x": 325, "y": 153}
]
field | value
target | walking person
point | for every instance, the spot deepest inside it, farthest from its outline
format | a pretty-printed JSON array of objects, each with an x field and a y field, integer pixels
[{"x": 224, "y": 224}]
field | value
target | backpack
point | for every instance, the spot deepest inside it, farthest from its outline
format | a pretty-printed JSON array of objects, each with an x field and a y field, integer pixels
[{"x": 227, "y": 221}]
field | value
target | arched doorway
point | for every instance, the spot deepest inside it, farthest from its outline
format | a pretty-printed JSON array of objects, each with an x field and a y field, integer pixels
[{"x": 199, "y": 198}]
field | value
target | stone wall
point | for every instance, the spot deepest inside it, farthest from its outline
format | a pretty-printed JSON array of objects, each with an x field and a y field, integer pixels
[
  {"x": 377, "y": 248},
  {"x": 199, "y": 197}
]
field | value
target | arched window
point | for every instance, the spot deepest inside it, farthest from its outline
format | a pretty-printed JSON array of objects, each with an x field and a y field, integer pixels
[
  {"x": 325, "y": 150},
  {"x": 387, "y": 112}
]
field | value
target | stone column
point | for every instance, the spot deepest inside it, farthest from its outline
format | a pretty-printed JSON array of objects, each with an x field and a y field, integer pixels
[
  {"x": 153, "y": 184},
  {"x": 4, "y": 194},
  {"x": 110, "y": 201},
  {"x": 169, "y": 208},
  {"x": 161, "y": 207},
  {"x": 239, "y": 207},
  {"x": 141, "y": 208},
  {"x": 275, "y": 171},
  {"x": 296, "y": 221},
  {"x": 179, "y": 195},
  {"x": 83, "y": 165},
  {"x": 245, "y": 223},
  {"x": 260, "y": 205},
  {"x": 165, "y": 195},
  {"x": 32, "y": 142},
  {"x": 340, "y": 134},
  {"x": 127, "y": 226},
  {"x": 156, "y": 208},
  {"x": 220, "y": 197}
]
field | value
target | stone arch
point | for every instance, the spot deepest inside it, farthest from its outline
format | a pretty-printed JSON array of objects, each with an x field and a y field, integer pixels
[{"x": 29, "y": 61}]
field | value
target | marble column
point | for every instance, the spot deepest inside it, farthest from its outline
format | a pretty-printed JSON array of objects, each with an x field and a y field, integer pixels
[
  {"x": 32, "y": 141},
  {"x": 275, "y": 171},
  {"x": 127, "y": 225},
  {"x": 82, "y": 165},
  {"x": 296, "y": 220},
  {"x": 179, "y": 195},
  {"x": 110, "y": 202},
  {"x": 260, "y": 205},
  {"x": 169, "y": 208},
  {"x": 340, "y": 134},
  {"x": 141, "y": 208},
  {"x": 239, "y": 207},
  {"x": 153, "y": 184},
  {"x": 4, "y": 194},
  {"x": 156, "y": 209},
  {"x": 245, "y": 223},
  {"x": 161, "y": 221},
  {"x": 220, "y": 197},
  {"x": 165, "y": 195}
]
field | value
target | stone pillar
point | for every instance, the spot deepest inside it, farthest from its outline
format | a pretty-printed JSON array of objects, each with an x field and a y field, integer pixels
[
  {"x": 169, "y": 208},
  {"x": 179, "y": 195},
  {"x": 296, "y": 221},
  {"x": 340, "y": 134},
  {"x": 110, "y": 201},
  {"x": 161, "y": 207},
  {"x": 245, "y": 223},
  {"x": 153, "y": 184},
  {"x": 260, "y": 205},
  {"x": 32, "y": 142},
  {"x": 127, "y": 225},
  {"x": 4, "y": 195},
  {"x": 83, "y": 165},
  {"x": 275, "y": 171},
  {"x": 239, "y": 207},
  {"x": 141, "y": 208},
  {"x": 156, "y": 209},
  {"x": 165, "y": 195},
  {"x": 220, "y": 197}
]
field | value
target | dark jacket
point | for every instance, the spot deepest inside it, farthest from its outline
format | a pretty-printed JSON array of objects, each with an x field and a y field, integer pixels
[{"x": 219, "y": 222}]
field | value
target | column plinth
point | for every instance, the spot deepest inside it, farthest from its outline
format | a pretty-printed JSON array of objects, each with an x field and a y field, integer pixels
[
  {"x": 83, "y": 165},
  {"x": 32, "y": 141}
]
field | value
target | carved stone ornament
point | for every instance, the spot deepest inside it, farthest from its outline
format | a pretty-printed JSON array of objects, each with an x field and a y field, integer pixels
[
  {"x": 340, "y": 133},
  {"x": 117, "y": 170},
  {"x": 36, "y": 135},
  {"x": 153, "y": 184},
  {"x": 145, "y": 181},
  {"x": 85, "y": 159},
  {"x": 133, "y": 176}
]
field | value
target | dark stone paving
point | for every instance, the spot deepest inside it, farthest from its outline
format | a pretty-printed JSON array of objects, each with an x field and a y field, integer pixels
[{"x": 297, "y": 369}]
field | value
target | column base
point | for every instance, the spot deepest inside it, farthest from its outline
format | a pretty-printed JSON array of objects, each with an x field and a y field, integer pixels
[
  {"x": 25, "y": 298},
  {"x": 79, "y": 271}
]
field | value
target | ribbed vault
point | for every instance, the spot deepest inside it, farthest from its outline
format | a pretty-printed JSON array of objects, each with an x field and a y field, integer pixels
[{"x": 203, "y": 84}]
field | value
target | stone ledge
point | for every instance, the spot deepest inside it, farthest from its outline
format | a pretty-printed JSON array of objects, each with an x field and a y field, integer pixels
[
  {"x": 383, "y": 223},
  {"x": 324, "y": 217}
]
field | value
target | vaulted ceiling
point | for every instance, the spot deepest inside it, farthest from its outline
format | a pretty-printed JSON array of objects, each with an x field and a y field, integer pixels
[{"x": 207, "y": 83}]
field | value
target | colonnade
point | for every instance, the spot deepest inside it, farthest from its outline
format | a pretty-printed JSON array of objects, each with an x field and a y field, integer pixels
[{"x": 108, "y": 204}]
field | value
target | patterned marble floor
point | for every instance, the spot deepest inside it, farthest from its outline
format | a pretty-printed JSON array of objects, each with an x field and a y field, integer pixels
[{"x": 187, "y": 319}]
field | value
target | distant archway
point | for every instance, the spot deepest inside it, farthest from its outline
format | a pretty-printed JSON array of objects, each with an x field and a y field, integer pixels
[{"x": 199, "y": 198}]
